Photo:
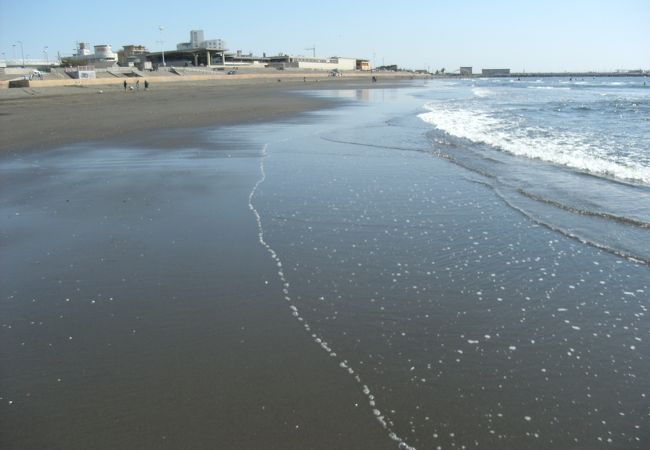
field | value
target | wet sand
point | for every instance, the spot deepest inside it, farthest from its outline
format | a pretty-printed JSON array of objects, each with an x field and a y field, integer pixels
[
  {"x": 138, "y": 308},
  {"x": 38, "y": 119},
  {"x": 323, "y": 280},
  {"x": 41, "y": 118}
]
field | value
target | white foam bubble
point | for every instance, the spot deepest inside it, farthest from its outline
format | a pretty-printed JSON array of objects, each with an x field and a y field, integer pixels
[
  {"x": 574, "y": 149},
  {"x": 294, "y": 310},
  {"x": 482, "y": 92}
]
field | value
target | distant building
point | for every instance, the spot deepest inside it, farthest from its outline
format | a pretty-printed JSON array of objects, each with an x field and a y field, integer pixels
[
  {"x": 83, "y": 49},
  {"x": 363, "y": 64},
  {"x": 214, "y": 53},
  {"x": 132, "y": 55},
  {"x": 196, "y": 37},
  {"x": 103, "y": 56},
  {"x": 197, "y": 41},
  {"x": 310, "y": 63},
  {"x": 495, "y": 72},
  {"x": 466, "y": 71}
]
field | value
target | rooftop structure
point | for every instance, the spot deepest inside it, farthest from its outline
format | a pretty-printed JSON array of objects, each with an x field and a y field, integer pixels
[{"x": 197, "y": 41}]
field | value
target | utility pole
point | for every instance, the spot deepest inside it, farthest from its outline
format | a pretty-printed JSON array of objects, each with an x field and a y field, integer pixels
[
  {"x": 313, "y": 49},
  {"x": 22, "y": 52},
  {"x": 162, "y": 48}
]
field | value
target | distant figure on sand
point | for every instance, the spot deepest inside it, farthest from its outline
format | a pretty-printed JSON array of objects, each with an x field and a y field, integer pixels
[
  {"x": 146, "y": 85},
  {"x": 137, "y": 85},
  {"x": 125, "y": 85},
  {"x": 374, "y": 79}
]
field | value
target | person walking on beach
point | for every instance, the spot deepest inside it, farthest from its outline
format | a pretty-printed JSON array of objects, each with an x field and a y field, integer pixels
[
  {"x": 125, "y": 85},
  {"x": 146, "y": 85},
  {"x": 137, "y": 85}
]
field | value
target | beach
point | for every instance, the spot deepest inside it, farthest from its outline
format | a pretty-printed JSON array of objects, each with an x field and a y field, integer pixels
[
  {"x": 311, "y": 265},
  {"x": 46, "y": 117},
  {"x": 220, "y": 363}
]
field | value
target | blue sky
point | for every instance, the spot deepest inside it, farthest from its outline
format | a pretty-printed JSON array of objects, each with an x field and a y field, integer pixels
[{"x": 521, "y": 35}]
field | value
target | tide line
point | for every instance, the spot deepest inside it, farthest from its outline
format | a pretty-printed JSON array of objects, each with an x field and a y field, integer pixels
[{"x": 383, "y": 420}]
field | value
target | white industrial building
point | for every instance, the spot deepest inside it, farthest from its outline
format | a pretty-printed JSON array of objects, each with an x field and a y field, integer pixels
[
  {"x": 102, "y": 56},
  {"x": 212, "y": 53},
  {"x": 309, "y": 63}
]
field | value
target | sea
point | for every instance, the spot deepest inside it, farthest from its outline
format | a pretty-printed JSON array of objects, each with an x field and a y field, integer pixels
[
  {"x": 556, "y": 149},
  {"x": 475, "y": 254},
  {"x": 441, "y": 264}
]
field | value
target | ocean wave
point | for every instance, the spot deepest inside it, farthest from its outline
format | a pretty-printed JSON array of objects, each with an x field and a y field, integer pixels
[
  {"x": 570, "y": 149},
  {"x": 631, "y": 255},
  {"x": 482, "y": 92},
  {"x": 585, "y": 212},
  {"x": 550, "y": 88}
]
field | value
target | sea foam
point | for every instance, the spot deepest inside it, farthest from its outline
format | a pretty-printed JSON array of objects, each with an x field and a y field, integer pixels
[{"x": 573, "y": 149}]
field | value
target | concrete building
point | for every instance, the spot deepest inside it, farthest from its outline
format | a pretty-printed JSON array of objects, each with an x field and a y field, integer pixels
[
  {"x": 197, "y": 41},
  {"x": 132, "y": 55},
  {"x": 495, "y": 72},
  {"x": 213, "y": 53},
  {"x": 196, "y": 37},
  {"x": 310, "y": 63},
  {"x": 363, "y": 64},
  {"x": 102, "y": 56},
  {"x": 83, "y": 49},
  {"x": 466, "y": 71},
  {"x": 197, "y": 52}
]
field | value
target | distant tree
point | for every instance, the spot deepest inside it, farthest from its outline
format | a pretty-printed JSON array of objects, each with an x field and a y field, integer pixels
[
  {"x": 437, "y": 72},
  {"x": 442, "y": 71}
]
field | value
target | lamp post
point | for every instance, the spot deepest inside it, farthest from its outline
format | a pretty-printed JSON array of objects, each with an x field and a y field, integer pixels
[
  {"x": 22, "y": 52},
  {"x": 162, "y": 48},
  {"x": 47, "y": 60}
]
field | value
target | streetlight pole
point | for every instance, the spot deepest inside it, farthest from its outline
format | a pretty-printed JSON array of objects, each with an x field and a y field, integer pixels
[
  {"x": 162, "y": 45},
  {"x": 22, "y": 52},
  {"x": 47, "y": 59}
]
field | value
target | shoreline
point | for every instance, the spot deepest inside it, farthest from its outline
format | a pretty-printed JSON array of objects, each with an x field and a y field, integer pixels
[
  {"x": 308, "y": 281},
  {"x": 36, "y": 119},
  {"x": 191, "y": 343}
]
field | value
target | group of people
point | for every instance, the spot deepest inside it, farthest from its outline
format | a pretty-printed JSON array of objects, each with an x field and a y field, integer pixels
[{"x": 137, "y": 85}]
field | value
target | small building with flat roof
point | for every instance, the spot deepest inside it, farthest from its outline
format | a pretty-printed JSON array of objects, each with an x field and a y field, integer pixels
[
  {"x": 466, "y": 71},
  {"x": 311, "y": 63},
  {"x": 495, "y": 72},
  {"x": 132, "y": 55}
]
